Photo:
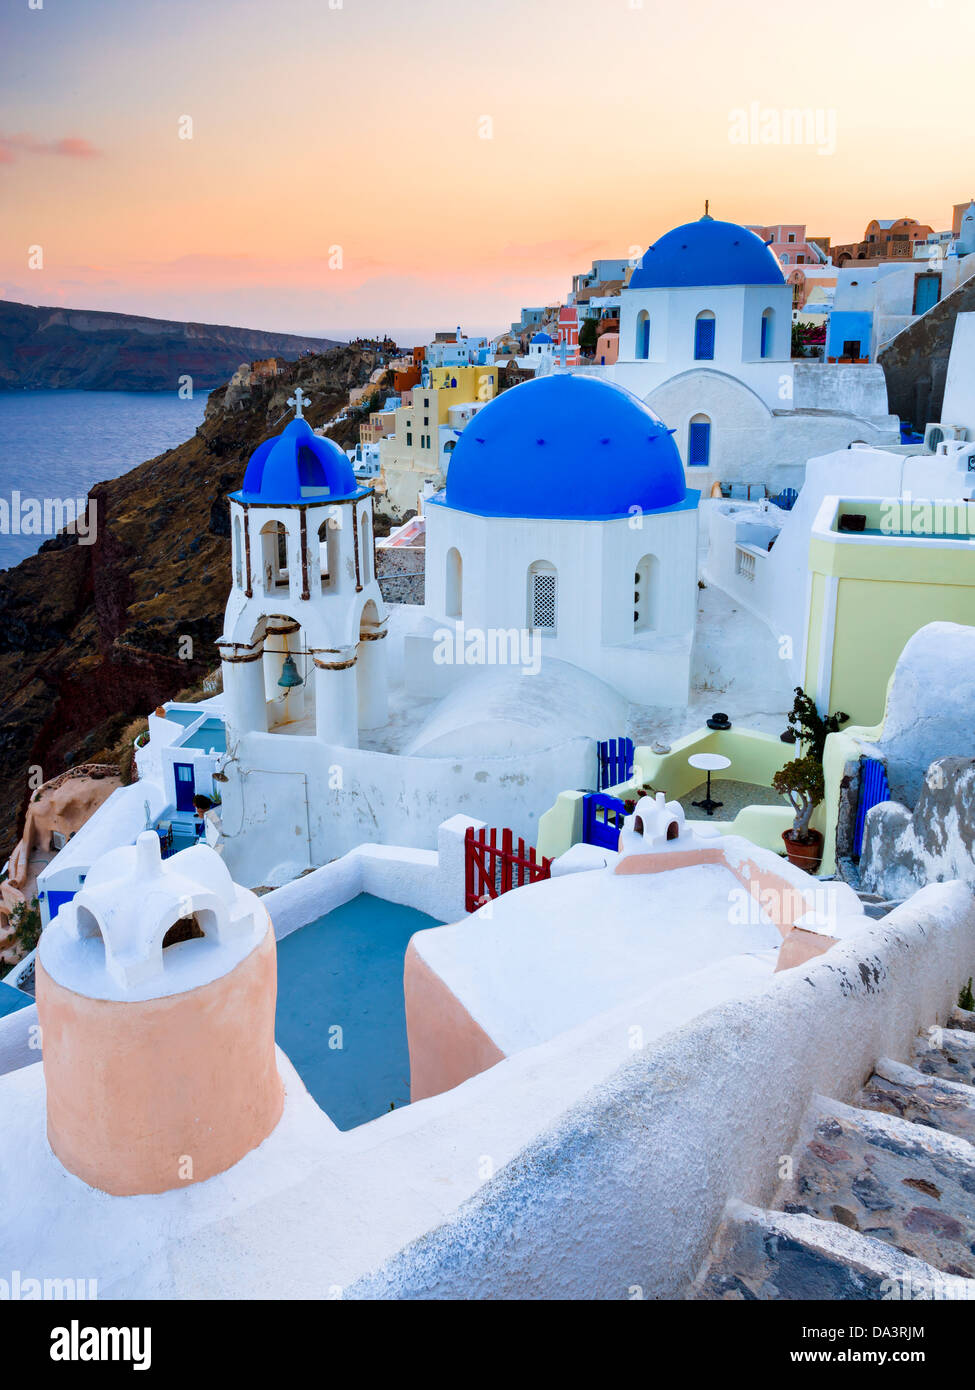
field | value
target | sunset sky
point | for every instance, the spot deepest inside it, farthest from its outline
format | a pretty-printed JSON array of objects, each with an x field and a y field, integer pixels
[{"x": 360, "y": 127}]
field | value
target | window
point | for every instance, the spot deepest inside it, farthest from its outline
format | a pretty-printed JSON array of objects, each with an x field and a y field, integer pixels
[
  {"x": 645, "y": 594},
  {"x": 643, "y": 335},
  {"x": 851, "y": 347},
  {"x": 704, "y": 337},
  {"x": 238, "y": 554},
  {"x": 767, "y": 324},
  {"x": 543, "y": 597},
  {"x": 455, "y": 584},
  {"x": 792, "y": 236},
  {"x": 699, "y": 442},
  {"x": 409, "y": 440}
]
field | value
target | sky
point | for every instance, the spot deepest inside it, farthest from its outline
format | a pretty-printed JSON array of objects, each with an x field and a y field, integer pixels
[{"x": 344, "y": 167}]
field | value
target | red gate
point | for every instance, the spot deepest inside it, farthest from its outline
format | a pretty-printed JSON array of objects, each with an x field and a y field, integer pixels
[{"x": 492, "y": 869}]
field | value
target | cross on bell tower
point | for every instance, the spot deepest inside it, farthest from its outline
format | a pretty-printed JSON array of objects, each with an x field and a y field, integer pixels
[{"x": 299, "y": 400}]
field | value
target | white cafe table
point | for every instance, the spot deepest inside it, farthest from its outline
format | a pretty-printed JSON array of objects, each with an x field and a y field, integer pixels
[{"x": 709, "y": 762}]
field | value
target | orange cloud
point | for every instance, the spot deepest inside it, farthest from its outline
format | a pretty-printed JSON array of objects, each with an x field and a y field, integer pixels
[{"x": 71, "y": 146}]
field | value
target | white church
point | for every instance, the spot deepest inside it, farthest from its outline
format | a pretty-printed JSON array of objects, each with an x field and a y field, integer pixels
[{"x": 706, "y": 342}]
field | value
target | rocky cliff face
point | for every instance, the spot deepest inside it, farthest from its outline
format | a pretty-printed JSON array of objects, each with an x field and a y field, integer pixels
[
  {"x": 94, "y": 351},
  {"x": 94, "y": 636}
]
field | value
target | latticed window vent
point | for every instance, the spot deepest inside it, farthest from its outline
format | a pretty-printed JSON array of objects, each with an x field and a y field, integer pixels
[{"x": 544, "y": 601}]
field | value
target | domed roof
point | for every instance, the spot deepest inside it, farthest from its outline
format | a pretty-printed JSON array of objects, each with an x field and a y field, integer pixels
[
  {"x": 297, "y": 465},
  {"x": 541, "y": 338},
  {"x": 706, "y": 253},
  {"x": 566, "y": 447}
]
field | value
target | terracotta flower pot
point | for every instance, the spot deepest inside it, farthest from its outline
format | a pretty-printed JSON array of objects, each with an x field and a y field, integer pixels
[{"x": 806, "y": 856}]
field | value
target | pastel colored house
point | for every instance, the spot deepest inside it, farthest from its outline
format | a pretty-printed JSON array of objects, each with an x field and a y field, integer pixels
[{"x": 907, "y": 563}]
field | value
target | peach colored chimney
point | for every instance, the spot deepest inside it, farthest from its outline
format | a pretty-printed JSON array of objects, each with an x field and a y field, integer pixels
[{"x": 156, "y": 988}]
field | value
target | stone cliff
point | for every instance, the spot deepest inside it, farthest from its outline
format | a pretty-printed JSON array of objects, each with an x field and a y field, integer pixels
[{"x": 95, "y": 351}]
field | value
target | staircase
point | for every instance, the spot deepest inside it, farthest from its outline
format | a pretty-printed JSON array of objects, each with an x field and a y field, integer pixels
[{"x": 880, "y": 1203}]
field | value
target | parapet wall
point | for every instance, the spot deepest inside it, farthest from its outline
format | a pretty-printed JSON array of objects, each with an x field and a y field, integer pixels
[{"x": 625, "y": 1190}]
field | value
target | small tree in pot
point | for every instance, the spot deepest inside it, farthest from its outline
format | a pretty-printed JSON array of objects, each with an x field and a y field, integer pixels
[{"x": 802, "y": 782}]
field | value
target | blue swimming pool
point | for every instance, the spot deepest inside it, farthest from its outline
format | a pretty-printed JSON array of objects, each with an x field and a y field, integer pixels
[
  {"x": 210, "y": 735},
  {"x": 340, "y": 1016}
]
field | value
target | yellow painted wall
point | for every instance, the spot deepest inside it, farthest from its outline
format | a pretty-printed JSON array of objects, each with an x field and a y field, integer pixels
[{"x": 885, "y": 593}]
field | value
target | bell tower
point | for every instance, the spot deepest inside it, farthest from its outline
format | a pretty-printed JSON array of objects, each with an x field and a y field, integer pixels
[{"x": 302, "y": 642}]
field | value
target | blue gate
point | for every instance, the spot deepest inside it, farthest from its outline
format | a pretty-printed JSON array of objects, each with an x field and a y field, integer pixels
[
  {"x": 602, "y": 820},
  {"x": 615, "y": 762},
  {"x": 874, "y": 788}
]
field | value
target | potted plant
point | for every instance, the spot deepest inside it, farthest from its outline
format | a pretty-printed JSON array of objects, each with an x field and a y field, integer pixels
[{"x": 801, "y": 780}]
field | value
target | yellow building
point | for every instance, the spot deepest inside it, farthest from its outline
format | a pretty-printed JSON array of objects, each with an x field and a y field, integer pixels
[
  {"x": 426, "y": 431},
  {"x": 880, "y": 569}
]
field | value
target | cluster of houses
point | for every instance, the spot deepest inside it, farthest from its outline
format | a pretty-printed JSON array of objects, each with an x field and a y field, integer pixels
[{"x": 630, "y": 561}]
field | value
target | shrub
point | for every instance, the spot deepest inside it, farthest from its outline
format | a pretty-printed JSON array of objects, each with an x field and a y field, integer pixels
[{"x": 802, "y": 782}]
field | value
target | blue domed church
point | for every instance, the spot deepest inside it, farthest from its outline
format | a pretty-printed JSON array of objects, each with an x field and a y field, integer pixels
[
  {"x": 706, "y": 342},
  {"x": 566, "y": 515}
]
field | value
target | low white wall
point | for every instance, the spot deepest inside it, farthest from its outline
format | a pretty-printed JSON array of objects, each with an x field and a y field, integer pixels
[
  {"x": 431, "y": 881},
  {"x": 19, "y": 1034},
  {"x": 627, "y": 1187}
]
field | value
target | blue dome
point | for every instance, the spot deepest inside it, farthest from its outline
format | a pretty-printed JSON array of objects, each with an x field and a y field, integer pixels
[
  {"x": 706, "y": 253},
  {"x": 297, "y": 465},
  {"x": 566, "y": 447},
  {"x": 541, "y": 338}
]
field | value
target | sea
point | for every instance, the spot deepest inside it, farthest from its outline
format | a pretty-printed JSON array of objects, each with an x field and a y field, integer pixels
[{"x": 55, "y": 445}]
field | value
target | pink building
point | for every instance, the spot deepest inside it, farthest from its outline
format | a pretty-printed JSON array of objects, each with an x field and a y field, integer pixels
[
  {"x": 790, "y": 245},
  {"x": 568, "y": 329}
]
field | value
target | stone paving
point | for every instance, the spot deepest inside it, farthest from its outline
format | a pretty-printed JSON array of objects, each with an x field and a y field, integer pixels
[{"x": 881, "y": 1202}]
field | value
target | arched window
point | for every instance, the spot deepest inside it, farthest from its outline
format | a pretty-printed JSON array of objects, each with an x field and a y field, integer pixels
[
  {"x": 645, "y": 585},
  {"x": 329, "y": 535},
  {"x": 704, "y": 330},
  {"x": 543, "y": 598},
  {"x": 768, "y": 325},
  {"x": 274, "y": 556},
  {"x": 238, "y": 554},
  {"x": 455, "y": 584},
  {"x": 699, "y": 442},
  {"x": 365, "y": 533},
  {"x": 642, "y": 350}
]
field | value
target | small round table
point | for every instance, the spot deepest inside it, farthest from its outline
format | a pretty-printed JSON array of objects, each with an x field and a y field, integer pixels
[{"x": 709, "y": 762}]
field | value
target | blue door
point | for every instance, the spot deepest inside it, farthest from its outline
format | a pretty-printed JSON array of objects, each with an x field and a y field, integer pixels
[
  {"x": 185, "y": 786},
  {"x": 926, "y": 291},
  {"x": 699, "y": 444},
  {"x": 56, "y": 900}
]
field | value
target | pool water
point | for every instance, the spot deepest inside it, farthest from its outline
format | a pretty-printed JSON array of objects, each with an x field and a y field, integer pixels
[
  {"x": 211, "y": 735},
  {"x": 341, "y": 1017}
]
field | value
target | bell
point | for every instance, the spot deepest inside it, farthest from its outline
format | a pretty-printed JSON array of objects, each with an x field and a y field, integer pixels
[{"x": 289, "y": 673}]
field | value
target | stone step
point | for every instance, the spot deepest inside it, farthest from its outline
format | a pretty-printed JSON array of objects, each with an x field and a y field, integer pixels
[
  {"x": 908, "y": 1185},
  {"x": 768, "y": 1255},
  {"x": 946, "y": 1052},
  {"x": 896, "y": 1089}
]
